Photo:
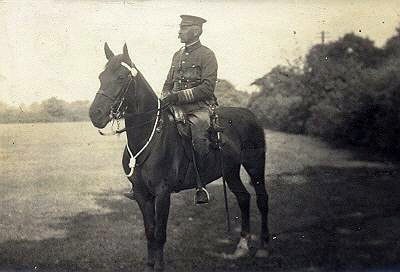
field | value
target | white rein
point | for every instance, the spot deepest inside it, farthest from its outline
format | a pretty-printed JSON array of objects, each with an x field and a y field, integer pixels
[{"x": 132, "y": 160}]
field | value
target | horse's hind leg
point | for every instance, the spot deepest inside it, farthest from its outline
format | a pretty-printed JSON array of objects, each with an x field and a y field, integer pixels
[
  {"x": 242, "y": 196},
  {"x": 254, "y": 163}
]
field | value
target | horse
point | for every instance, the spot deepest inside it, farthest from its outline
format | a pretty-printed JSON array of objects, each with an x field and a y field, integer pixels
[{"x": 161, "y": 165}]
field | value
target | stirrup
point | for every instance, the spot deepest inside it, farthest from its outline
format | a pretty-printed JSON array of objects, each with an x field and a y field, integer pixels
[{"x": 201, "y": 196}]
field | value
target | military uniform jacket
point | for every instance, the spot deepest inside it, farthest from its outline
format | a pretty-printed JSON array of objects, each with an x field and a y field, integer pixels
[{"x": 193, "y": 75}]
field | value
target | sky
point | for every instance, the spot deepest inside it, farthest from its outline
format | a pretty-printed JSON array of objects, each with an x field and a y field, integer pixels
[{"x": 55, "y": 47}]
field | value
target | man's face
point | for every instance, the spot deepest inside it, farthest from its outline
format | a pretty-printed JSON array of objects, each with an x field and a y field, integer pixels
[{"x": 188, "y": 34}]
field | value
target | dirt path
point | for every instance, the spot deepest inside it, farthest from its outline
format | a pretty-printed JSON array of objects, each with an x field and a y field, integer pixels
[{"x": 62, "y": 209}]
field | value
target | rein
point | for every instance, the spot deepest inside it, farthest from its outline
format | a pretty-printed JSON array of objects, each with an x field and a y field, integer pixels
[
  {"x": 118, "y": 113},
  {"x": 132, "y": 160},
  {"x": 133, "y": 115}
]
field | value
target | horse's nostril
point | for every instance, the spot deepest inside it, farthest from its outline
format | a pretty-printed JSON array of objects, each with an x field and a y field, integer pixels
[{"x": 95, "y": 114}]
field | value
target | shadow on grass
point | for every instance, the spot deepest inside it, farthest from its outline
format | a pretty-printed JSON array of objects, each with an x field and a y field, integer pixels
[
  {"x": 322, "y": 218},
  {"x": 337, "y": 218}
]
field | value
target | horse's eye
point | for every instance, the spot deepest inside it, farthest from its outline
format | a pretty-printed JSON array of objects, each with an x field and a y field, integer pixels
[{"x": 121, "y": 77}]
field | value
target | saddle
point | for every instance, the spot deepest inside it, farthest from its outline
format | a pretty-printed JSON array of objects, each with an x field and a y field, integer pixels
[{"x": 183, "y": 126}]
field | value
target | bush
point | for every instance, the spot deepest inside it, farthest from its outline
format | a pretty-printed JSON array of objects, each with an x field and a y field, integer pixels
[{"x": 347, "y": 92}]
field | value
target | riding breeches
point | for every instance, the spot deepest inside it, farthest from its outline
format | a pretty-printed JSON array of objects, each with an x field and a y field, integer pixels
[{"x": 199, "y": 121}]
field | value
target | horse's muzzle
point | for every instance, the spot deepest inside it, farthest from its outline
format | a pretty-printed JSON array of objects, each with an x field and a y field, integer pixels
[
  {"x": 100, "y": 123},
  {"x": 99, "y": 113}
]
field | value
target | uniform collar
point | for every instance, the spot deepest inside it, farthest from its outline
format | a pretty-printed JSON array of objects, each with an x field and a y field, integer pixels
[{"x": 192, "y": 46}]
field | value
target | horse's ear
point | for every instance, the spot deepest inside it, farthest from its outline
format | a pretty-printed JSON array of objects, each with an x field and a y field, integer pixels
[
  {"x": 107, "y": 50},
  {"x": 125, "y": 51}
]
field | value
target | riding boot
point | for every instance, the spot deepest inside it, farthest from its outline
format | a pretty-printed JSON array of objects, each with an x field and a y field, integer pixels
[{"x": 201, "y": 196}]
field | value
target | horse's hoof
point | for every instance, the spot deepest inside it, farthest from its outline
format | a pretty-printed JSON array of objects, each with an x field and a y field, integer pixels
[
  {"x": 240, "y": 253},
  {"x": 159, "y": 267},
  {"x": 242, "y": 248}
]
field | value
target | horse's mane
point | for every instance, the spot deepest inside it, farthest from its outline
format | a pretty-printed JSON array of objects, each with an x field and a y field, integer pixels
[{"x": 146, "y": 85}]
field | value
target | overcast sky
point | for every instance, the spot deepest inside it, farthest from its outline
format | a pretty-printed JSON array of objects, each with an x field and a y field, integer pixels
[{"x": 55, "y": 48}]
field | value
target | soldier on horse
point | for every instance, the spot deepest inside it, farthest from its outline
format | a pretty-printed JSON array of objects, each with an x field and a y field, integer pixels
[
  {"x": 159, "y": 159},
  {"x": 189, "y": 89}
]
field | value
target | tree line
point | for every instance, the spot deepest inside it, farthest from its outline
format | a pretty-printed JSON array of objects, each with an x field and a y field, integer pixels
[
  {"x": 58, "y": 110},
  {"x": 49, "y": 110}
]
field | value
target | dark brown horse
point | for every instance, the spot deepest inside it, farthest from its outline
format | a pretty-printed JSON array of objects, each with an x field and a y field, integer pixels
[{"x": 163, "y": 166}]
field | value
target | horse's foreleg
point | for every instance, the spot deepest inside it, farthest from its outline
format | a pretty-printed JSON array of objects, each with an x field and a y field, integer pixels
[
  {"x": 162, "y": 204},
  {"x": 148, "y": 211}
]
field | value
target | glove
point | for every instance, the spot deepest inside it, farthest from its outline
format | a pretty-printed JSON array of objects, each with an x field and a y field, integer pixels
[{"x": 171, "y": 99}]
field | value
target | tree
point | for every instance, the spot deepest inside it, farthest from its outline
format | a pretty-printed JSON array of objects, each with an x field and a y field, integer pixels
[
  {"x": 54, "y": 107},
  {"x": 392, "y": 46},
  {"x": 228, "y": 96},
  {"x": 282, "y": 102}
]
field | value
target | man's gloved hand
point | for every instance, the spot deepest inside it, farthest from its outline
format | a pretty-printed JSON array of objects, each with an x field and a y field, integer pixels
[{"x": 171, "y": 99}]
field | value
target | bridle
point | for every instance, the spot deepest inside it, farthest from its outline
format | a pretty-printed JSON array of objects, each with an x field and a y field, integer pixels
[
  {"x": 118, "y": 108},
  {"x": 118, "y": 111}
]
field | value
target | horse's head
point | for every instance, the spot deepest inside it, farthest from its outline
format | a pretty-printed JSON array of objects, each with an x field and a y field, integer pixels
[{"x": 118, "y": 76}]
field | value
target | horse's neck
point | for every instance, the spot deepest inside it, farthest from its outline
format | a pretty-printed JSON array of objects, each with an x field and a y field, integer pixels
[
  {"x": 147, "y": 98},
  {"x": 144, "y": 100}
]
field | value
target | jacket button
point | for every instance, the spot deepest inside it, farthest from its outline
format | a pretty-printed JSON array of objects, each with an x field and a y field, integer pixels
[
  {"x": 186, "y": 53},
  {"x": 183, "y": 61}
]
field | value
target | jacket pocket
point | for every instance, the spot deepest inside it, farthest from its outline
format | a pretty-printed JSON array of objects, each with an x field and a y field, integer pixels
[{"x": 193, "y": 73}]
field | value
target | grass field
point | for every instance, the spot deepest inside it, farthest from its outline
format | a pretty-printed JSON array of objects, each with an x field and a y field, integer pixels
[{"x": 62, "y": 208}]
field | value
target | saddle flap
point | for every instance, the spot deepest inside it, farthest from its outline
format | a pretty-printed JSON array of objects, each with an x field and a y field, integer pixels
[{"x": 178, "y": 114}]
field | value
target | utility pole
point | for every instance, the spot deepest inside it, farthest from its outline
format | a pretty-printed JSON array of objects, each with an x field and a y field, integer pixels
[{"x": 323, "y": 36}]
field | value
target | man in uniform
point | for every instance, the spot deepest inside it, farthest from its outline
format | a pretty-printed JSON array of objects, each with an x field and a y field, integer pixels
[{"x": 190, "y": 88}]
